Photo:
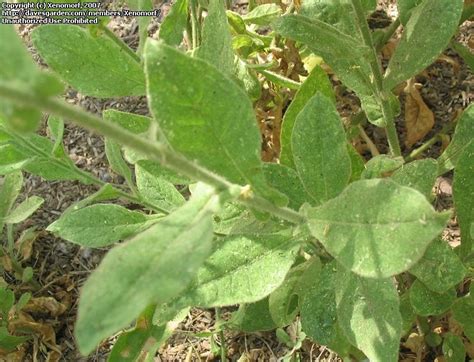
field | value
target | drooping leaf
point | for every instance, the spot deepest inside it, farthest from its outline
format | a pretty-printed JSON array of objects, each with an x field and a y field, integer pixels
[
  {"x": 463, "y": 194},
  {"x": 320, "y": 149},
  {"x": 99, "y": 225},
  {"x": 381, "y": 166},
  {"x": 242, "y": 269},
  {"x": 117, "y": 163},
  {"x": 253, "y": 317},
  {"x": 368, "y": 312},
  {"x": 94, "y": 65},
  {"x": 440, "y": 267},
  {"x": 327, "y": 41},
  {"x": 463, "y": 136},
  {"x": 426, "y": 302},
  {"x": 420, "y": 175},
  {"x": 218, "y": 132},
  {"x": 263, "y": 14},
  {"x": 173, "y": 26},
  {"x": 463, "y": 313},
  {"x": 317, "y": 81},
  {"x": 385, "y": 231},
  {"x": 9, "y": 192},
  {"x": 287, "y": 181},
  {"x": 145, "y": 270},
  {"x": 24, "y": 210},
  {"x": 216, "y": 44},
  {"x": 429, "y": 30},
  {"x": 157, "y": 190},
  {"x": 453, "y": 348}
]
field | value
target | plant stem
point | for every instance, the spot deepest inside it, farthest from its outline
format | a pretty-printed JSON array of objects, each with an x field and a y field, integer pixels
[
  {"x": 194, "y": 24},
  {"x": 119, "y": 42},
  {"x": 372, "y": 147},
  {"x": 376, "y": 69},
  {"x": 221, "y": 335},
  {"x": 418, "y": 151},
  {"x": 387, "y": 34},
  {"x": 156, "y": 151}
]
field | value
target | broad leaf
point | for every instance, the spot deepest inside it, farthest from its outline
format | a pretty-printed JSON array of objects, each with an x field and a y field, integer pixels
[
  {"x": 132, "y": 122},
  {"x": 253, "y": 317},
  {"x": 368, "y": 312},
  {"x": 11, "y": 160},
  {"x": 287, "y": 181},
  {"x": 420, "y": 175},
  {"x": 145, "y": 270},
  {"x": 453, "y": 348},
  {"x": 463, "y": 313},
  {"x": 426, "y": 302},
  {"x": 440, "y": 267},
  {"x": 463, "y": 193},
  {"x": 242, "y": 269},
  {"x": 320, "y": 149},
  {"x": 463, "y": 136},
  {"x": 24, "y": 210},
  {"x": 317, "y": 81},
  {"x": 216, "y": 44},
  {"x": 156, "y": 189},
  {"x": 381, "y": 166},
  {"x": 9, "y": 191},
  {"x": 174, "y": 25},
  {"x": 263, "y": 14},
  {"x": 385, "y": 231},
  {"x": 429, "y": 30},
  {"x": 407, "y": 313},
  {"x": 327, "y": 41},
  {"x": 357, "y": 163},
  {"x": 218, "y": 132},
  {"x": 9, "y": 342},
  {"x": 99, "y": 225},
  {"x": 94, "y": 65}
]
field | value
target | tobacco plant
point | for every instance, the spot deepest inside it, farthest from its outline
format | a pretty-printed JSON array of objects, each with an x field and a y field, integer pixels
[{"x": 351, "y": 249}]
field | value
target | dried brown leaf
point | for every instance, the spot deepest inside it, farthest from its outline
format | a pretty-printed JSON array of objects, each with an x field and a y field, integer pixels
[
  {"x": 43, "y": 305},
  {"x": 419, "y": 119}
]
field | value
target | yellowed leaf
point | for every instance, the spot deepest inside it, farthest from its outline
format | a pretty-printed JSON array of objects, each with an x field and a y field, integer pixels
[{"x": 419, "y": 119}]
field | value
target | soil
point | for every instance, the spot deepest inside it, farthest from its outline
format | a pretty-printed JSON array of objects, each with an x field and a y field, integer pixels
[{"x": 61, "y": 267}]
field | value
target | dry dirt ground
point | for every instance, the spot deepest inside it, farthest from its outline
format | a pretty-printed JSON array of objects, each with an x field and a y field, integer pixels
[{"x": 61, "y": 267}]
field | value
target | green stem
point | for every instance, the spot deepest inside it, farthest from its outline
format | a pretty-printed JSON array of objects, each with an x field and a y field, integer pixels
[
  {"x": 376, "y": 69},
  {"x": 387, "y": 34},
  {"x": 221, "y": 335},
  {"x": 425, "y": 146},
  {"x": 194, "y": 25},
  {"x": 156, "y": 151},
  {"x": 119, "y": 42}
]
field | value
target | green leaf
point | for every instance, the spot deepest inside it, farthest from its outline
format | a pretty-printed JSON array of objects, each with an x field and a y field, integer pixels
[
  {"x": 330, "y": 43},
  {"x": 463, "y": 313},
  {"x": 9, "y": 192},
  {"x": 248, "y": 78},
  {"x": 463, "y": 194},
  {"x": 463, "y": 135},
  {"x": 99, "y": 225},
  {"x": 117, "y": 163},
  {"x": 464, "y": 52},
  {"x": 384, "y": 231},
  {"x": 426, "y": 302},
  {"x": 236, "y": 22},
  {"x": 419, "y": 175},
  {"x": 173, "y": 26},
  {"x": 94, "y": 65},
  {"x": 357, "y": 163},
  {"x": 317, "y": 81},
  {"x": 453, "y": 348},
  {"x": 381, "y": 166},
  {"x": 11, "y": 160},
  {"x": 7, "y": 301},
  {"x": 440, "y": 267},
  {"x": 368, "y": 312},
  {"x": 405, "y": 8},
  {"x": 216, "y": 44},
  {"x": 106, "y": 192},
  {"x": 279, "y": 79},
  {"x": 8, "y": 342},
  {"x": 157, "y": 190},
  {"x": 242, "y": 269},
  {"x": 197, "y": 121},
  {"x": 283, "y": 302},
  {"x": 56, "y": 132},
  {"x": 407, "y": 313},
  {"x": 429, "y": 30},
  {"x": 153, "y": 267},
  {"x": 320, "y": 149},
  {"x": 143, "y": 21},
  {"x": 131, "y": 122},
  {"x": 156, "y": 169},
  {"x": 287, "y": 181},
  {"x": 24, "y": 210},
  {"x": 263, "y": 14},
  {"x": 253, "y": 317}
]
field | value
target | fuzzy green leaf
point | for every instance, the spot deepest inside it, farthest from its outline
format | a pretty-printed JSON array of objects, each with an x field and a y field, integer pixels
[
  {"x": 440, "y": 267},
  {"x": 453, "y": 348},
  {"x": 24, "y": 210},
  {"x": 173, "y": 26},
  {"x": 463, "y": 193},
  {"x": 9, "y": 191},
  {"x": 463, "y": 312},
  {"x": 253, "y": 317},
  {"x": 11, "y": 160},
  {"x": 94, "y": 65},
  {"x": 320, "y": 149},
  {"x": 426, "y": 35},
  {"x": 381, "y": 166},
  {"x": 426, "y": 302},
  {"x": 463, "y": 136},
  {"x": 114, "y": 155},
  {"x": 317, "y": 81},
  {"x": 153, "y": 267},
  {"x": 368, "y": 312},
  {"x": 263, "y": 14},
  {"x": 420, "y": 175},
  {"x": 287, "y": 181},
  {"x": 98, "y": 225},
  {"x": 385, "y": 231},
  {"x": 405, "y": 8}
]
